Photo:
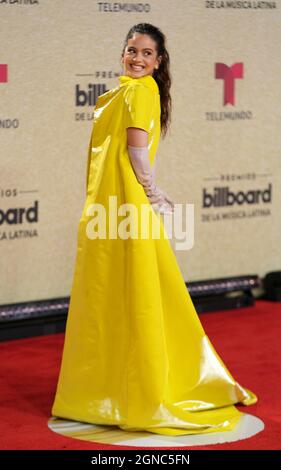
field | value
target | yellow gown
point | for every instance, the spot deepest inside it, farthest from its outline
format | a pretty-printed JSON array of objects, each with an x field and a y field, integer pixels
[{"x": 135, "y": 353}]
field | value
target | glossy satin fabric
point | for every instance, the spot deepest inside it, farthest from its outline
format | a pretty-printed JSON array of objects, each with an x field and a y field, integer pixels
[{"x": 135, "y": 353}]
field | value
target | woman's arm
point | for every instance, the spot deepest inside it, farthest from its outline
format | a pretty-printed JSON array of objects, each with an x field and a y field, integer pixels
[
  {"x": 137, "y": 142},
  {"x": 137, "y": 137}
]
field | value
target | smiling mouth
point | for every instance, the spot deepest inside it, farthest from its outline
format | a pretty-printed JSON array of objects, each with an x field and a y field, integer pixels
[{"x": 137, "y": 68}]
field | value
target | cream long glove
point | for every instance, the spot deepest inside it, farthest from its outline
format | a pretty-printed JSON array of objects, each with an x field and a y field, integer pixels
[{"x": 160, "y": 201}]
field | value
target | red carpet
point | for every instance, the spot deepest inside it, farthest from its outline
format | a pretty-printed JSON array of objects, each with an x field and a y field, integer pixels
[{"x": 248, "y": 341}]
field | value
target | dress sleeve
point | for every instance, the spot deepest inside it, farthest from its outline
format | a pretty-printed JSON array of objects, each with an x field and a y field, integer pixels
[{"x": 139, "y": 106}]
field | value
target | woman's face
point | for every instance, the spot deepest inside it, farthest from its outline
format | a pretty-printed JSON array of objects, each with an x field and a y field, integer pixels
[{"x": 140, "y": 56}]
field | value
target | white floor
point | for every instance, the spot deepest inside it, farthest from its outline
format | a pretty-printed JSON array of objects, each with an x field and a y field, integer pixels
[{"x": 248, "y": 426}]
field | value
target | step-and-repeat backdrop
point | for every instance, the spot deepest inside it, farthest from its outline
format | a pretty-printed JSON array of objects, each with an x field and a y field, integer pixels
[{"x": 222, "y": 152}]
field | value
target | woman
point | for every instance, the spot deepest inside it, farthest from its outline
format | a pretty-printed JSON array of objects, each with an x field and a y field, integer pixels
[{"x": 135, "y": 352}]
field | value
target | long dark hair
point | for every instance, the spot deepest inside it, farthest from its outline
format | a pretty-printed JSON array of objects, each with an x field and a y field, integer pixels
[{"x": 161, "y": 75}]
